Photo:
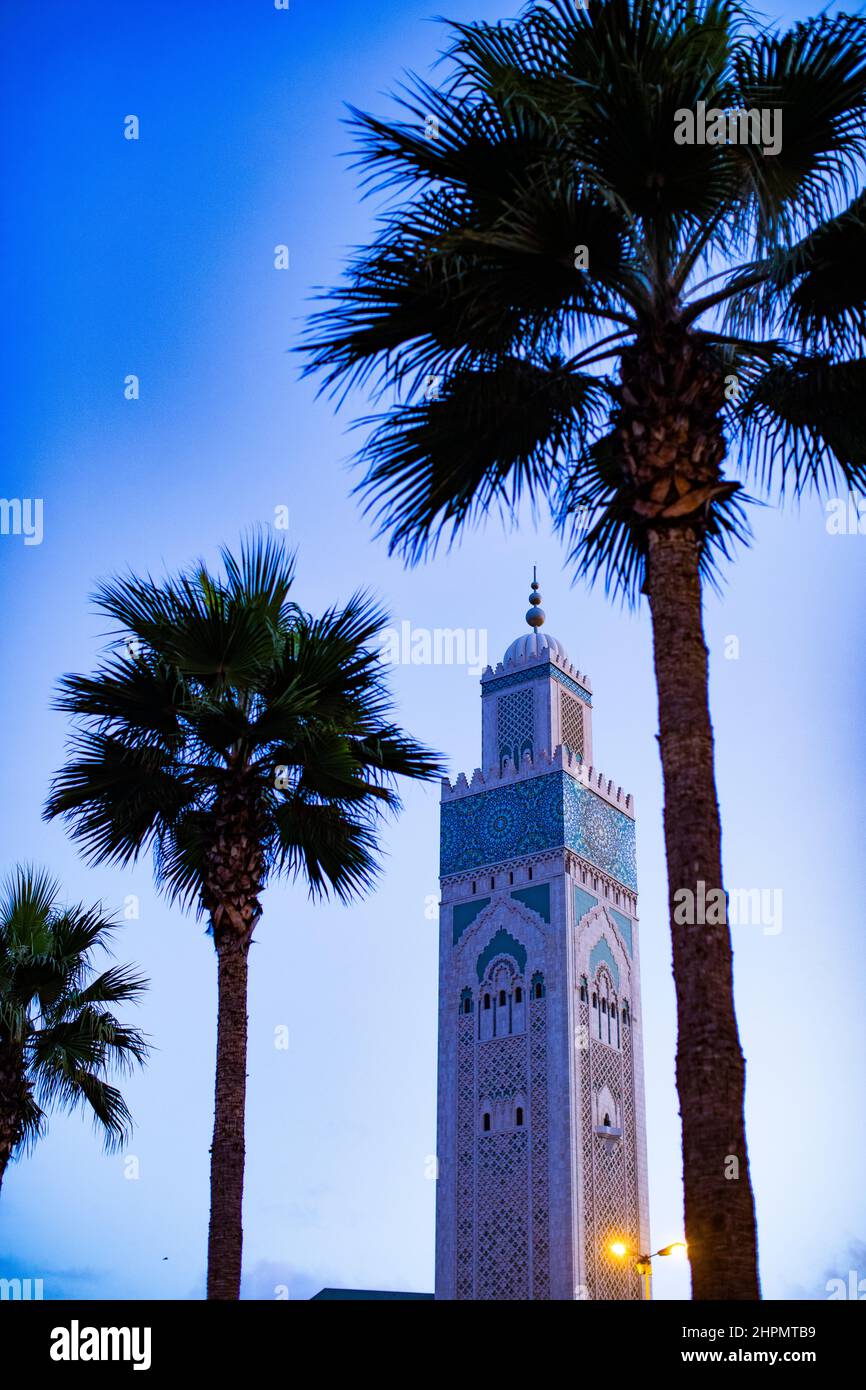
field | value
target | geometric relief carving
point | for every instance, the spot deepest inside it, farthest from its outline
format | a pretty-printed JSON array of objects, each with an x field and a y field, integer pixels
[
  {"x": 465, "y": 1153},
  {"x": 571, "y": 723},
  {"x": 502, "y": 1202},
  {"x": 610, "y": 1197},
  {"x": 502, "y": 1188},
  {"x": 540, "y": 1151},
  {"x": 515, "y": 731}
]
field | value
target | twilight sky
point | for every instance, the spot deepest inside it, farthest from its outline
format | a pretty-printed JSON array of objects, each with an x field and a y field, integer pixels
[{"x": 156, "y": 257}]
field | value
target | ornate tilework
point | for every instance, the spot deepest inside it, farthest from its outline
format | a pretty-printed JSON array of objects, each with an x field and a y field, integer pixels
[
  {"x": 536, "y": 897},
  {"x": 544, "y": 671},
  {"x": 624, "y": 924},
  {"x": 583, "y": 902},
  {"x": 538, "y": 813},
  {"x": 599, "y": 832},
  {"x": 464, "y": 914},
  {"x": 601, "y": 952}
]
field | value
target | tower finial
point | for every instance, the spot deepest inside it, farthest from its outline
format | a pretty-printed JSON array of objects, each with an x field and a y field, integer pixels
[{"x": 536, "y": 615}]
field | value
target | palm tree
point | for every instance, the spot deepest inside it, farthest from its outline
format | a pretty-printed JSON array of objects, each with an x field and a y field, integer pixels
[
  {"x": 58, "y": 1042},
  {"x": 239, "y": 739},
  {"x": 565, "y": 303}
]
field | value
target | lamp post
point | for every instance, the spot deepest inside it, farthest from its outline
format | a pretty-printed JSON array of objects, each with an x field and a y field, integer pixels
[{"x": 643, "y": 1265}]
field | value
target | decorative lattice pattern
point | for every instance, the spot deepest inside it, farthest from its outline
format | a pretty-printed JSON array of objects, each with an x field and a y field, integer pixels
[
  {"x": 503, "y": 1201},
  {"x": 465, "y": 1154},
  {"x": 571, "y": 723},
  {"x": 540, "y": 1146},
  {"x": 515, "y": 725},
  {"x": 503, "y": 1170},
  {"x": 610, "y": 1199},
  {"x": 503, "y": 1217}
]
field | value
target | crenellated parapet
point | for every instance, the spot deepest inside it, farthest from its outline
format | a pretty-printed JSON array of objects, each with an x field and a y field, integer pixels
[
  {"x": 562, "y": 759},
  {"x": 522, "y": 663}
]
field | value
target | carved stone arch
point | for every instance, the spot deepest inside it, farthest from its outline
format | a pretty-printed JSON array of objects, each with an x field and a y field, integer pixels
[
  {"x": 502, "y": 969},
  {"x": 596, "y": 939},
  {"x": 612, "y": 927},
  {"x": 509, "y": 916}
]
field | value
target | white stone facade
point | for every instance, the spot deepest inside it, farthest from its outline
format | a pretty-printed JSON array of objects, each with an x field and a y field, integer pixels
[{"x": 541, "y": 1126}]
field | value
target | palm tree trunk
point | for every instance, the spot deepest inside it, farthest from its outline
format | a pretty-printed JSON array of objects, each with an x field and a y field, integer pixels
[
  {"x": 711, "y": 1073},
  {"x": 225, "y": 1234},
  {"x": 13, "y": 1087}
]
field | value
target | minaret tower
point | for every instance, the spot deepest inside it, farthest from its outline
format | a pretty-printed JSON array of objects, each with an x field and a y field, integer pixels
[{"x": 541, "y": 1127}]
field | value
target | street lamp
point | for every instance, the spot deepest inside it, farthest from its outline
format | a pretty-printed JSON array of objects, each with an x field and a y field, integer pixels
[{"x": 643, "y": 1265}]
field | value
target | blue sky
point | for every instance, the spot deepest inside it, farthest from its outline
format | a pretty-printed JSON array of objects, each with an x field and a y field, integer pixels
[{"x": 155, "y": 257}]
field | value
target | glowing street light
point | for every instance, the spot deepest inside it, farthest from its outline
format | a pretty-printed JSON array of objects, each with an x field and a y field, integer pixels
[{"x": 643, "y": 1265}]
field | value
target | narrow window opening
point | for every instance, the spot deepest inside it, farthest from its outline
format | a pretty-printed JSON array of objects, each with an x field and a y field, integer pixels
[
  {"x": 519, "y": 1116},
  {"x": 487, "y": 1001},
  {"x": 606, "y": 1120},
  {"x": 518, "y": 995},
  {"x": 530, "y": 871},
  {"x": 501, "y": 997},
  {"x": 485, "y": 1124}
]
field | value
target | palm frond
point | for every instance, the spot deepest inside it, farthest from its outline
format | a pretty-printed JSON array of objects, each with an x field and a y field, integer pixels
[
  {"x": 495, "y": 433},
  {"x": 803, "y": 422}
]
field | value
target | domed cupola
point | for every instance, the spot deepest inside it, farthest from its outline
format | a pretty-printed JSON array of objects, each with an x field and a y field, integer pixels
[{"x": 535, "y": 643}]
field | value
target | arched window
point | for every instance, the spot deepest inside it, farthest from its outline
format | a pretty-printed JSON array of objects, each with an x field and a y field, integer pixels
[
  {"x": 530, "y": 871},
  {"x": 518, "y": 995},
  {"x": 583, "y": 993},
  {"x": 604, "y": 1006},
  {"x": 467, "y": 1005},
  {"x": 606, "y": 1120},
  {"x": 594, "y": 1000},
  {"x": 487, "y": 1001},
  {"x": 473, "y": 885},
  {"x": 485, "y": 1123},
  {"x": 539, "y": 990},
  {"x": 510, "y": 876},
  {"x": 518, "y": 1116},
  {"x": 501, "y": 997}
]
